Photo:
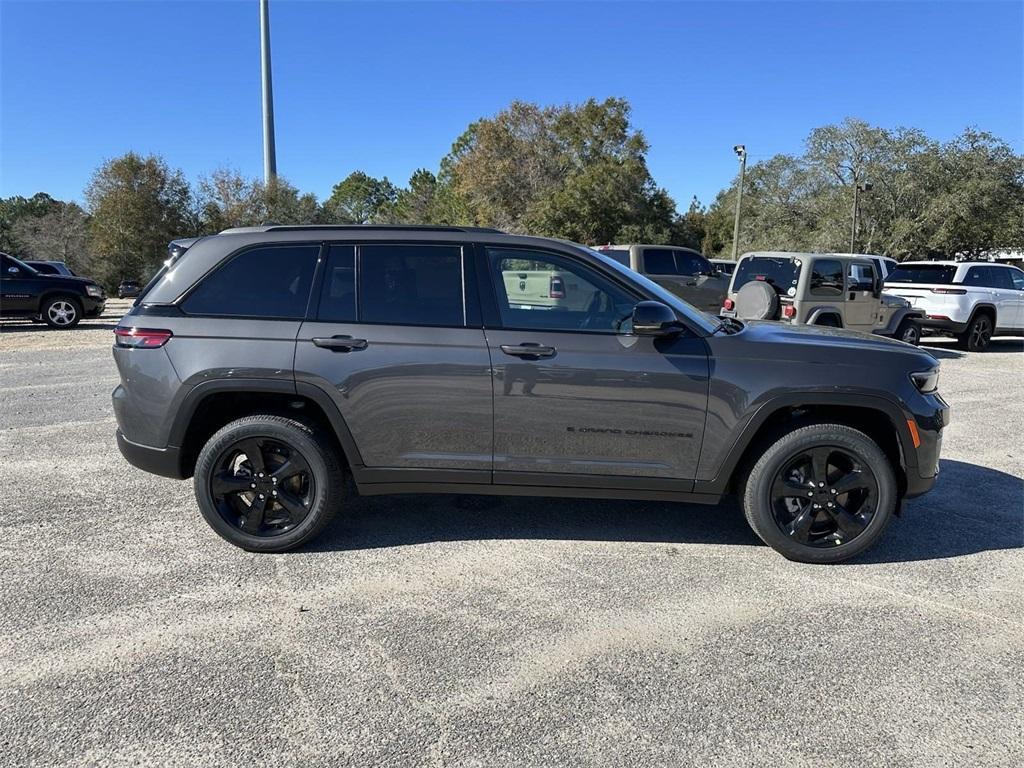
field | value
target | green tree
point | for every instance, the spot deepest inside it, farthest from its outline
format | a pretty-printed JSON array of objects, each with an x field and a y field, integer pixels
[
  {"x": 13, "y": 209},
  {"x": 415, "y": 204},
  {"x": 359, "y": 199},
  {"x": 229, "y": 199},
  {"x": 60, "y": 234},
  {"x": 137, "y": 205}
]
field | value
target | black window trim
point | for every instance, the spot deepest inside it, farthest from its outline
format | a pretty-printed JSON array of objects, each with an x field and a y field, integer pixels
[{"x": 180, "y": 301}]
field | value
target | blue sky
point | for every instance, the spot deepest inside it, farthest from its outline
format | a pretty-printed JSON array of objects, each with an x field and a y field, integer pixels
[{"x": 386, "y": 87}]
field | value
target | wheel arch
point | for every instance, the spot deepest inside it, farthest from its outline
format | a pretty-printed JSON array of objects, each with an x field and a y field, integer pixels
[
  {"x": 817, "y": 313},
  {"x": 210, "y": 405},
  {"x": 984, "y": 308},
  {"x": 883, "y": 420}
]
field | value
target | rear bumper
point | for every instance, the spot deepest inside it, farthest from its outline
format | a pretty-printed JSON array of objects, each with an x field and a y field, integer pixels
[{"x": 158, "y": 461}]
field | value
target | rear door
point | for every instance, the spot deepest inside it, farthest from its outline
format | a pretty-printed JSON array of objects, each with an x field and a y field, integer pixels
[
  {"x": 1017, "y": 278},
  {"x": 396, "y": 341},
  {"x": 576, "y": 397},
  {"x": 1006, "y": 297}
]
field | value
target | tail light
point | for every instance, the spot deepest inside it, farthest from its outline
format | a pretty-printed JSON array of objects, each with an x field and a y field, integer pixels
[
  {"x": 728, "y": 304},
  {"x": 556, "y": 290},
  {"x": 140, "y": 338},
  {"x": 789, "y": 311},
  {"x": 957, "y": 291}
]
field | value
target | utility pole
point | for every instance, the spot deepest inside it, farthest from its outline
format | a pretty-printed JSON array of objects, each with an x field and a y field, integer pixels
[
  {"x": 269, "y": 151},
  {"x": 741, "y": 152},
  {"x": 863, "y": 186}
]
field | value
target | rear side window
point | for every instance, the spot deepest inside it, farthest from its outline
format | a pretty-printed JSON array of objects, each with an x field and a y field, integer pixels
[
  {"x": 411, "y": 285},
  {"x": 659, "y": 261},
  {"x": 338, "y": 292},
  {"x": 941, "y": 274},
  {"x": 827, "y": 278},
  {"x": 690, "y": 263},
  {"x": 621, "y": 255},
  {"x": 999, "y": 277},
  {"x": 780, "y": 273},
  {"x": 268, "y": 281}
]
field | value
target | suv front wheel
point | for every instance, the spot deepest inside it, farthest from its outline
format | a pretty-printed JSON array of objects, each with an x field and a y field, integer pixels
[
  {"x": 821, "y": 494},
  {"x": 268, "y": 483}
]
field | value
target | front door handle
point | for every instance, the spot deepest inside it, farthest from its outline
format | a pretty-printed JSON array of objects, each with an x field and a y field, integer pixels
[
  {"x": 340, "y": 343},
  {"x": 528, "y": 350}
]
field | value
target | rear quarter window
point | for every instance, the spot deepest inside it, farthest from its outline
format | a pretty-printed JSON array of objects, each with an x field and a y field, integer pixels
[{"x": 266, "y": 281}]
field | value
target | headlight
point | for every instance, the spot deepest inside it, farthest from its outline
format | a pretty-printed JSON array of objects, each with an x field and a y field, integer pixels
[
  {"x": 926, "y": 381},
  {"x": 94, "y": 290}
]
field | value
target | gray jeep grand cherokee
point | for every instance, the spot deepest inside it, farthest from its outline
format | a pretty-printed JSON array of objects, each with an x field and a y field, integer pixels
[{"x": 268, "y": 362}]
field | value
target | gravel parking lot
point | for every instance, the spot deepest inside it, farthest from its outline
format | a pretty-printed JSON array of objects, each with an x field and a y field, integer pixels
[{"x": 467, "y": 631}]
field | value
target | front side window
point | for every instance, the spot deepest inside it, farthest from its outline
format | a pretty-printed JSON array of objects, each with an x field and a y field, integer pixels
[
  {"x": 546, "y": 292},
  {"x": 862, "y": 277},
  {"x": 690, "y": 263},
  {"x": 267, "y": 281},
  {"x": 827, "y": 278},
  {"x": 1018, "y": 278},
  {"x": 411, "y": 285}
]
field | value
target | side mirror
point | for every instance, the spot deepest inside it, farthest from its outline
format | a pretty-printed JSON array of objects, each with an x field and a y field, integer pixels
[
  {"x": 652, "y": 318},
  {"x": 876, "y": 286},
  {"x": 13, "y": 270}
]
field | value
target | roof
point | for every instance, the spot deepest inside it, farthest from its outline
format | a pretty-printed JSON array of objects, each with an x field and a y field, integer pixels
[
  {"x": 627, "y": 246},
  {"x": 808, "y": 254},
  {"x": 356, "y": 228}
]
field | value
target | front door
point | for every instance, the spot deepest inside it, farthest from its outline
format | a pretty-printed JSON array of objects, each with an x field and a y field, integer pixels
[
  {"x": 19, "y": 288},
  {"x": 861, "y": 307},
  {"x": 401, "y": 351},
  {"x": 574, "y": 392}
]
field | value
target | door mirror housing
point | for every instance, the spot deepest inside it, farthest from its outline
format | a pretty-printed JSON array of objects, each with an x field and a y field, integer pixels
[
  {"x": 652, "y": 318},
  {"x": 13, "y": 270},
  {"x": 876, "y": 286}
]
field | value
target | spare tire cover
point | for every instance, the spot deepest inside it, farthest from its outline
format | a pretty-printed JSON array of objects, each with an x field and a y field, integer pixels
[{"x": 757, "y": 300}]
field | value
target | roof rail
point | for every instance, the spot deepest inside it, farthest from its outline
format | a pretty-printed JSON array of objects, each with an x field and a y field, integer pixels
[{"x": 378, "y": 227}]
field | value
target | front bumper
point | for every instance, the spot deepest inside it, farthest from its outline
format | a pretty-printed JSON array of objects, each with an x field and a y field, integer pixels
[
  {"x": 94, "y": 307},
  {"x": 930, "y": 423},
  {"x": 159, "y": 461}
]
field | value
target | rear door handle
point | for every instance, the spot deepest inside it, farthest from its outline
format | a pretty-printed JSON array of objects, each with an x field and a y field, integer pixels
[
  {"x": 340, "y": 343},
  {"x": 528, "y": 350}
]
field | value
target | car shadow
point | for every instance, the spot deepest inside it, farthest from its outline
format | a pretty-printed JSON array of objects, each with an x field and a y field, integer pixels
[
  {"x": 12, "y": 326},
  {"x": 944, "y": 350},
  {"x": 972, "y": 509}
]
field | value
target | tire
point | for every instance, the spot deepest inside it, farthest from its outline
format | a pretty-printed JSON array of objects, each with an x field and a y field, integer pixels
[
  {"x": 866, "y": 510},
  {"x": 909, "y": 332},
  {"x": 61, "y": 312},
  {"x": 281, "y": 443},
  {"x": 978, "y": 334}
]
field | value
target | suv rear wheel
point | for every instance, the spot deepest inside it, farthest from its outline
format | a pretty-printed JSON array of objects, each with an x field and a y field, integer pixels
[
  {"x": 268, "y": 483},
  {"x": 821, "y": 494},
  {"x": 61, "y": 312},
  {"x": 978, "y": 334}
]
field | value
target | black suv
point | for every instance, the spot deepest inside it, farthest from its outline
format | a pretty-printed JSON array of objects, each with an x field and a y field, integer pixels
[
  {"x": 270, "y": 362},
  {"x": 60, "y": 301}
]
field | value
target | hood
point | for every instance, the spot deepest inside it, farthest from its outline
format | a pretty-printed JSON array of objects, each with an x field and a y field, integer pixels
[
  {"x": 71, "y": 279},
  {"x": 894, "y": 301},
  {"x": 799, "y": 341}
]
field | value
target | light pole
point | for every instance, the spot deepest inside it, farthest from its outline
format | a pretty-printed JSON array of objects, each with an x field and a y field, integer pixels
[
  {"x": 269, "y": 152},
  {"x": 741, "y": 153},
  {"x": 864, "y": 186}
]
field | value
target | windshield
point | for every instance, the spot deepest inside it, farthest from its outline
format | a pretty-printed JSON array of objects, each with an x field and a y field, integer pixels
[
  {"x": 779, "y": 272},
  {"x": 702, "y": 320},
  {"x": 922, "y": 273}
]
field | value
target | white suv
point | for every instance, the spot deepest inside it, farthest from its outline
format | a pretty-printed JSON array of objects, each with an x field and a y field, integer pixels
[{"x": 972, "y": 301}]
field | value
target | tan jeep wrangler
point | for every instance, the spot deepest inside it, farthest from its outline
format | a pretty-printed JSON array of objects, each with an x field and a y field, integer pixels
[{"x": 841, "y": 291}]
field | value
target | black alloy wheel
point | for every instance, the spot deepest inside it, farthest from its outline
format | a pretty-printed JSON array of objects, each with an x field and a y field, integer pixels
[
  {"x": 825, "y": 496},
  {"x": 978, "y": 334},
  {"x": 262, "y": 486}
]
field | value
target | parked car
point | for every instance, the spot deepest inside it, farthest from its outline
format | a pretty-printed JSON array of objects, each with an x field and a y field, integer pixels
[
  {"x": 819, "y": 289},
  {"x": 683, "y": 271},
  {"x": 269, "y": 362},
  {"x": 725, "y": 266},
  {"x": 129, "y": 289},
  {"x": 50, "y": 268},
  {"x": 970, "y": 301},
  {"x": 59, "y": 301}
]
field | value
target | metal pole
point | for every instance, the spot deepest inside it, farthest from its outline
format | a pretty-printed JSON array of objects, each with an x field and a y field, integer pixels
[
  {"x": 853, "y": 226},
  {"x": 742, "y": 152},
  {"x": 269, "y": 151}
]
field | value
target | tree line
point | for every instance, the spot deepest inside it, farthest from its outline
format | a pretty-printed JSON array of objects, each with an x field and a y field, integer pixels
[{"x": 577, "y": 172}]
